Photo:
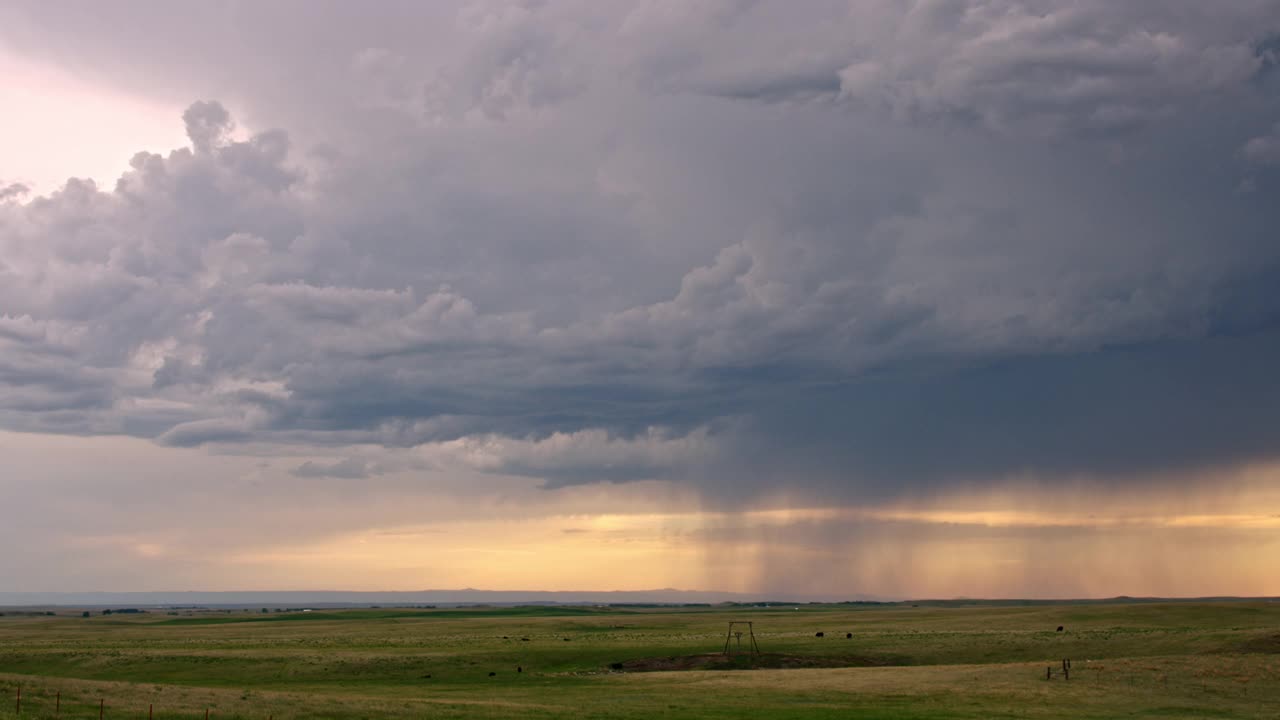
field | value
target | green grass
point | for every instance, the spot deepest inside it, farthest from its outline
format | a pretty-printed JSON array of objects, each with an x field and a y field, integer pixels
[{"x": 1168, "y": 660}]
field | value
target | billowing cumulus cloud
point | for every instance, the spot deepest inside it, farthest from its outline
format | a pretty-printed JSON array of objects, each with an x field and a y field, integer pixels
[
  {"x": 12, "y": 191},
  {"x": 854, "y": 250},
  {"x": 349, "y": 469},
  {"x": 584, "y": 456}
]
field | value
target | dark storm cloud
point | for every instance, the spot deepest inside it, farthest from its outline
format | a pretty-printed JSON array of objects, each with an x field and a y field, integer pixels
[
  {"x": 1137, "y": 411},
  {"x": 1264, "y": 149},
  {"x": 860, "y": 249}
]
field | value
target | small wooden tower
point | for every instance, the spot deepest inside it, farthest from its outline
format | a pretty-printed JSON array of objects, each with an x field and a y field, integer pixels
[{"x": 733, "y": 640}]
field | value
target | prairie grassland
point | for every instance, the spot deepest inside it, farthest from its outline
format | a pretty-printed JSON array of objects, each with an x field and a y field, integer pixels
[{"x": 1218, "y": 660}]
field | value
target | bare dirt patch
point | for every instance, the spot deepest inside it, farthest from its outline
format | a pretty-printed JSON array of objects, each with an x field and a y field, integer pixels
[
  {"x": 1268, "y": 644},
  {"x": 765, "y": 661}
]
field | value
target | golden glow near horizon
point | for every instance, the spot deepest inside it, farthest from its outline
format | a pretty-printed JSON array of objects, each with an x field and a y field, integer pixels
[
  {"x": 648, "y": 551},
  {"x": 1141, "y": 545},
  {"x": 237, "y": 522}
]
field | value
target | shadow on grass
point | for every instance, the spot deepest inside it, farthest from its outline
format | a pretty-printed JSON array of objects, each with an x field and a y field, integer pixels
[{"x": 763, "y": 661}]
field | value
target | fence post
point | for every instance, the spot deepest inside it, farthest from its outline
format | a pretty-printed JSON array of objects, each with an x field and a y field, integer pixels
[
  {"x": 102, "y": 706},
  {"x": 57, "y": 705}
]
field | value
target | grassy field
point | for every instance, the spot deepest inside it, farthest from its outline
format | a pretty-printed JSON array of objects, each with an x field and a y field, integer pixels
[{"x": 1176, "y": 660}]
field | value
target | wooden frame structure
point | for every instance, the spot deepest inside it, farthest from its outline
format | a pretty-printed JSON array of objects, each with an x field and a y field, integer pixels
[{"x": 752, "y": 648}]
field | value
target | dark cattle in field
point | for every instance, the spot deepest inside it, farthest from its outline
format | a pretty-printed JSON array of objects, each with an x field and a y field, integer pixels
[
  {"x": 491, "y": 674},
  {"x": 519, "y": 669},
  {"x": 524, "y": 639},
  {"x": 819, "y": 634},
  {"x": 1059, "y": 628},
  {"x": 848, "y": 636}
]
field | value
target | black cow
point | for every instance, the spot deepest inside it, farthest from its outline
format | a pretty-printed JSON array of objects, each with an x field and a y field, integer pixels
[
  {"x": 491, "y": 674},
  {"x": 1059, "y": 628},
  {"x": 848, "y": 636},
  {"x": 819, "y": 634}
]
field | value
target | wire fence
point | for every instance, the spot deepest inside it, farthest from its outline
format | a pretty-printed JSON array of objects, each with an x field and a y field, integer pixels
[{"x": 25, "y": 702}]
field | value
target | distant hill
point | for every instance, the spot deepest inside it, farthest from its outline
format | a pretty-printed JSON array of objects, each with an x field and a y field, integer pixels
[
  {"x": 469, "y": 596},
  {"x": 341, "y": 598}
]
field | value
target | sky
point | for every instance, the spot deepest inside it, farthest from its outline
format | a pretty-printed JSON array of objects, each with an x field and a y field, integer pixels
[{"x": 873, "y": 298}]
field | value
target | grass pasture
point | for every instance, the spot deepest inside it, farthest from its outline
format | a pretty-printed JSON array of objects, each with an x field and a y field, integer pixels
[{"x": 1164, "y": 660}]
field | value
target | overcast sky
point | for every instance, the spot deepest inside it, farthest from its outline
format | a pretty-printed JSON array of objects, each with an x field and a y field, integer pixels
[{"x": 945, "y": 297}]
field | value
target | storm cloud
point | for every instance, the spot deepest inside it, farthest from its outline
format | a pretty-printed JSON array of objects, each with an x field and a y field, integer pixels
[{"x": 857, "y": 250}]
